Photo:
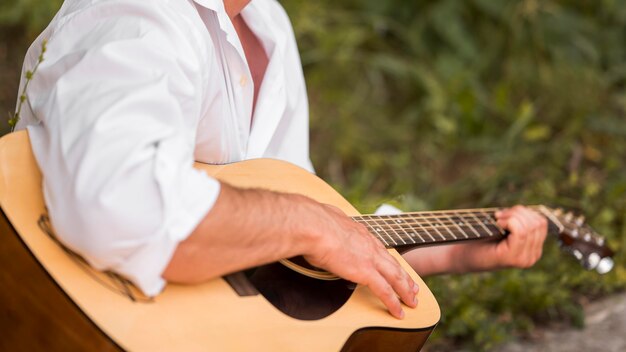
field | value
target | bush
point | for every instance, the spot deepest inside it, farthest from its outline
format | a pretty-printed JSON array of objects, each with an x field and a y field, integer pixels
[{"x": 30, "y": 16}]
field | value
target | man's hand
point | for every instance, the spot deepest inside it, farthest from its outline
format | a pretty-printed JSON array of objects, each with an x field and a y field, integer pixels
[
  {"x": 522, "y": 248},
  {"x": 249, "y": 227},
  {"x": 524, "y": 245},
  {"x": 345, "y": 248}
]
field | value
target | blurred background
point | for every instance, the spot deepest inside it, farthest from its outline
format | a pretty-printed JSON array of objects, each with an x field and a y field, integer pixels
[{"x": 457, "y": 104}]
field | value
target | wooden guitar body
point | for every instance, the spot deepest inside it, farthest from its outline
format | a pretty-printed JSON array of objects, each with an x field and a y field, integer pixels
[{"x": 51, "y": 300}]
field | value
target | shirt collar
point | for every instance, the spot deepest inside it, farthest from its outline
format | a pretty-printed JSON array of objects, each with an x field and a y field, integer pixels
[
  {"x": 225, "y": 23},
  {"x": 274, "y": 42},
  {"x": 215, "y": 5}
]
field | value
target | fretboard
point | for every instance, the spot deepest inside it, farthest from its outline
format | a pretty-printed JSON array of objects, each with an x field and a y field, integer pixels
[{"x": 434, "y": 227}]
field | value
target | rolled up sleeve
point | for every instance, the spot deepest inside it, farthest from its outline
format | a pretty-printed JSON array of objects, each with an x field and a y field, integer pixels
[{"x": 117, "y": 106}]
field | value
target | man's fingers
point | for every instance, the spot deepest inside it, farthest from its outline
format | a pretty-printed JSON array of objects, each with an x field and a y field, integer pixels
[
  {"x": 399, "y": 279},
  {"x": 505, "y": 213},
  {"x": 539, "y": 233},
  {"x": 386, "y": 294},
  {"x": 515, "y": 246},
  {"x": 356, "y": 255},
  {"x": 536, "y": 236},
  {"x": 528, "y": 231}
]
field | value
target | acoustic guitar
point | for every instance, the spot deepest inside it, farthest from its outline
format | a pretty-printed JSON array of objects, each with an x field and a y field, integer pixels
[{"x": 51, "y": 299}]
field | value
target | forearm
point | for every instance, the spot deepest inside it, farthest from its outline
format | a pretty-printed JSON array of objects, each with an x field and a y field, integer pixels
[
  {"x": 451, "y": 259},
  {"x": 430, "y": 260},
  {"x": 245, "y": 228}
]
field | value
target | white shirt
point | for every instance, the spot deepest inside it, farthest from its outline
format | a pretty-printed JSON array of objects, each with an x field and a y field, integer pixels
[{"x": 130, "y": 92}]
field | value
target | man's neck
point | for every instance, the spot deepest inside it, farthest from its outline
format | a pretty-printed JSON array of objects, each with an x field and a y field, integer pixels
[{"x": 234, "y": 7}]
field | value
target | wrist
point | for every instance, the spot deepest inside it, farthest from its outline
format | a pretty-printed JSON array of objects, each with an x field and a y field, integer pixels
[
  {"x": 302, "y": 227},
  {"x": 471, "y": 257},
  {"x": 457, "y": 259}
]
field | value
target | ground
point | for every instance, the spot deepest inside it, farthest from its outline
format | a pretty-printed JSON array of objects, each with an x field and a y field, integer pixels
[{"x": 605, "y": 330}]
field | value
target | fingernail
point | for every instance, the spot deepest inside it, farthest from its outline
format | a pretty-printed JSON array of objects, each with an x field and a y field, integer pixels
[
  {"x": 416, "y": 288},
  {"x": 414, "y": 300},
  {"x": 402, "y": 314}
]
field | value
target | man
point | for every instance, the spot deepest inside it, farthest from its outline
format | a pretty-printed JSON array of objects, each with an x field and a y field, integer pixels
[{"x": 131, "y": 92}]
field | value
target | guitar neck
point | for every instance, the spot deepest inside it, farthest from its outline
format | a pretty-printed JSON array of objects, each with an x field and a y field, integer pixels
[{"x": 438, "y": 227}]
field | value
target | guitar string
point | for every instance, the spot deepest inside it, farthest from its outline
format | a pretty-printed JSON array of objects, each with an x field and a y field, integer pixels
[
  {"x": 421, "y": 215},
  {"x": 455, "y": 227},
  {"x": 430, "y": 222},
  {"x": 445, "y": 213},
  {"x": 491, "y": 209},
  {"x": 422, "y": 236},
  {"x": 459, "y": 227},
  {"x": 427, "y": 218},
  {"x": 463, "y": 218},
  {"x": 442, "y": 222},
  {"x": 398, "y": 229}
]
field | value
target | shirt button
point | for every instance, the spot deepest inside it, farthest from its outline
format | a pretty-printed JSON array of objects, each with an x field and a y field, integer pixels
[{"x": 243, "y": 81}]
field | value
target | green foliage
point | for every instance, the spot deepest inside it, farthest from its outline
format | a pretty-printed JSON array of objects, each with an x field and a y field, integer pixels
[
  {"x": 31, "y": 16},
  {"x": 454, "y": 104},
  {"x": 13, "y": 120}
]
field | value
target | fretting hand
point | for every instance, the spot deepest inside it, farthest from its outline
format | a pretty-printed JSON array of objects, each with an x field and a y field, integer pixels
[
  {"x": 522, "y": 248},
  {"x": 524, "y": 245}
]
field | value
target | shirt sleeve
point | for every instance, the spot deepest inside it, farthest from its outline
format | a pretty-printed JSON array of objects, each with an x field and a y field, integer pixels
[{"x": 117, "y": 105}]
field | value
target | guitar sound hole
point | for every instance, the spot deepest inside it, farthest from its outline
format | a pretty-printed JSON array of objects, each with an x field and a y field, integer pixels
[{"x": 294, "y": 294}]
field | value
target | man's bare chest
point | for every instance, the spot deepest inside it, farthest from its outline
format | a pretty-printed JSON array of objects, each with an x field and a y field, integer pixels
[{"x": 255, "y": 53}]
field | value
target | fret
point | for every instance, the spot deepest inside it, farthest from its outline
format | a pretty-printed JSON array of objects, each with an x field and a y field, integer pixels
[
  {"x": 364, "y": 221},
  {"x": 431, "y": 236},
  {"x": 458, "y": 226},
  {"x": 424, "y": 229},
  {"x": 439, "y": 222},
  {"x": 380, "y": 229},
  {"x": 464, "y": 222},
  {"x": 412, "y": 231},
  {"x": 399, "y": 221},
  {"x": 494, "y": 223},
  {"x": 489, "y": 233},
  {"x": 390, "y": 222},
  {"x": 435, "y": 225}
]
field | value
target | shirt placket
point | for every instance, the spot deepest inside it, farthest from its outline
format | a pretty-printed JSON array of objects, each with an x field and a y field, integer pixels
[{"x": 238, "y": 78}]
